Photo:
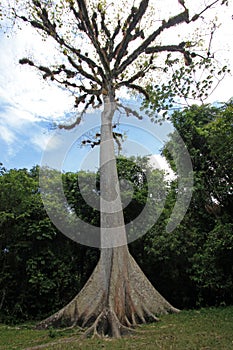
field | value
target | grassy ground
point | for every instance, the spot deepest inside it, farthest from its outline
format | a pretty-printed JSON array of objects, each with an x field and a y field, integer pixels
[{"x": 206, "y": 329}]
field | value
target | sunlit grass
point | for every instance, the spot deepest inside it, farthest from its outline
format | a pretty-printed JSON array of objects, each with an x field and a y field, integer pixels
[{"x": 205, "y": 329}]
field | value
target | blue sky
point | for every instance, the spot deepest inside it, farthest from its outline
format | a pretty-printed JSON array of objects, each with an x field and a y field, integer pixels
[
  {"x": 28, "y": 105},
  {"x": 140, "y": 138}
]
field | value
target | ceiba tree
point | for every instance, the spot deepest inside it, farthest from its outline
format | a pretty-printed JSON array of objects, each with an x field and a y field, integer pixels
[{"x": 122, "y": 50}]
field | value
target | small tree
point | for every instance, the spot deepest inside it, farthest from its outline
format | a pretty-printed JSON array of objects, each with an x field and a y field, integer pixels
[{"x": 121, "y": 52}]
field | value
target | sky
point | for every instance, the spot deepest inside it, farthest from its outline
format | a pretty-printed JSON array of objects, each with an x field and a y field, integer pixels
[{"x": 29, "y": 106}]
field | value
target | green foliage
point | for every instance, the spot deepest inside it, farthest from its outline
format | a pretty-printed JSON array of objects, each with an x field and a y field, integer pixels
[
  {"x": 89, "y": 182},
  {"x": 193, "y": 265},
  {"x": 187, "y": 84},
  {"x": 137, "y": 178},
  {"x": 41, "y": 270},
  {"x": 208, "y": 134}
]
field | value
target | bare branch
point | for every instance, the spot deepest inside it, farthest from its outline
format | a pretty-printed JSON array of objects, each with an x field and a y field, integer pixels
[
  {"x": 82, "y": 71},
  {"x": 136, "y": 16},
  {"x": 170, "y": 48},
  {"x": 50, "y": 73},
  {"x": 94, "y": 23},
  {"x": 103, "y": 25},
  {"x": 195, "y": 17},
  {"x": 83, "y": 15},
  {"x": 116, "y": 31},
  {"x": 118, "y": 50},
  {"x": 50, "y": 29},
  {"x": 173, "y": 48},
  {"x": 129, "y": 111},
  {"x": 180, "y": 18},
  {"x": 109, "y": 47},
  {"x": 96, "y": 92},
  {"x": 139, "y": 89},
  {"x": 71, "y": 126},
  {"x": 211, "y": 39},
  {"x": 136, "y": 76}
]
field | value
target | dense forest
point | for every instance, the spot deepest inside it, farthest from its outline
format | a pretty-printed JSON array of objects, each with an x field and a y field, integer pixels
[{"x": 41, "y": 269}]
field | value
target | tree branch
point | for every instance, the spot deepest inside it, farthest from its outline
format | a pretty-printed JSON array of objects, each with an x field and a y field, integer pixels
[
  {"x": 116, "y": 31},
  {"x": 170, "y": 48},
  {"x": 50, "y": 73},
  {"x": 83, "y": 15},
  {"x": 70, "y": 126},
  {"x": 136, "y": 16},
  {"x": 138, "y": 88},
  {"x": 136, "y": 76},
  {"x": 180, "y": 18},
  {"x": 129, "y": 111},
  {"x": 103, "y": 25},
  {"x": 92, "y": 65},
  {"x": 82, "y": 71},
  {"x": 50, "y": 29},
  {"x": 96, "y": 92},
  {"x": 195, "y": 17}
]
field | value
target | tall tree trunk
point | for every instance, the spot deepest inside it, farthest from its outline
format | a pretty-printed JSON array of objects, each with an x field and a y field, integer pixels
[{"x": 117, "y": 296}]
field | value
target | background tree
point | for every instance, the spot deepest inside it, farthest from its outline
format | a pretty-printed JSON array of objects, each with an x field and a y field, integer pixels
[
  {"x": 40, "y": 267},
  {"x": 207, "y": 133},
  {"x": 120, "y": 54}
]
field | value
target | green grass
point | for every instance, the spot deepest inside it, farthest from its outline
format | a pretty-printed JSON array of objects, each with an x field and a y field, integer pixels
[{"x": 205, "y": 329}]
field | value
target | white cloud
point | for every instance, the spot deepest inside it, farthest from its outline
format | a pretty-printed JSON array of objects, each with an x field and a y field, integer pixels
[
  {"x": 45, "y": 141},
  {"x": 6, "y": 135},
  {"x": 23, "y": 87},
  {"x": 26, "y": 99},
  {"x": 157, "y": 161},
  {"x": 40, "y": 140}
]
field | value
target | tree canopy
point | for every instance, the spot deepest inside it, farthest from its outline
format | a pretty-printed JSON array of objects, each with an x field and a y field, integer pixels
[{"x": 98, "y": 46}]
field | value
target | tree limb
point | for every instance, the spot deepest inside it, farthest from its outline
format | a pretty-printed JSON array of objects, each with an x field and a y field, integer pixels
[
  {"x": 180, "y": 18},
  {"x": 83, "y": 14},
  {"x": 136, "y": 16},
  {"x": 103, "y": 25},
  {"x": 195, "y": 17},
  {"x": 136, "y": 76},
  {"x": 139, "y": 89},
  {"x": 170, "y": 48},
  {"x": 129, "y": 111},
  {"x": 50, "y": 29},
  {"x": 70, "y": 126},
  {"x": 92, "y": 65},
  {"x": 82, "y": 71}
]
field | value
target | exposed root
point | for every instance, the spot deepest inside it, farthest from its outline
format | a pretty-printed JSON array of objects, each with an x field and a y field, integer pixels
[
  {"x": 113, "y": 305},
  {"x": 127, "y": 322},
  {"x": 151, "y": 316},
  {"x": 107, "y": 324}
]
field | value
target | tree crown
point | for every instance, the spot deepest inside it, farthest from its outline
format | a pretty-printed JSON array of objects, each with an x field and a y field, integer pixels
[{"x": 103, "y": 49}]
